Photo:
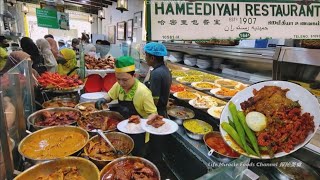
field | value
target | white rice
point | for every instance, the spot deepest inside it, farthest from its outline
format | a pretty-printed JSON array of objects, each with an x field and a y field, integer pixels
[
  {"x": 133, "y": 128},
  {"x": 162, "y": 129}
]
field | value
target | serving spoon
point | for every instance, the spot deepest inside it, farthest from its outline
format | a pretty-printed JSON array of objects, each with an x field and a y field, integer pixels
[{"x": 100, "y": 132}]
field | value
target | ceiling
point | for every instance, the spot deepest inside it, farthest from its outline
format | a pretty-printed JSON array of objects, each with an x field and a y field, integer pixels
[{"x": 87, "y": 6}]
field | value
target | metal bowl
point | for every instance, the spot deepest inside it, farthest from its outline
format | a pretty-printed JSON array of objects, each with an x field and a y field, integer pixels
[
  {"x": 112, "y": 135},
  {"x": 46, "y": 104},
  {"x": 193, "y": 135},
  {"x": 50, "y": 130},
  {"x": 172, "y": 112},
  {"x": 105, "y": 113},
  {"x": 221, "y": 157},
  {"x": 299, "y": 169},
  {"x": 84, "y": 104},
  {"x": 34, "y": 117},
  {"x": 86, "y": 168},
  {"x": 118, "y": 161}
]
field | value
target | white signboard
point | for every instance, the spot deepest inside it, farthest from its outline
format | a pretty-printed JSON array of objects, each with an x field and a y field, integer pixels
[{"x": 195, "y": 20}]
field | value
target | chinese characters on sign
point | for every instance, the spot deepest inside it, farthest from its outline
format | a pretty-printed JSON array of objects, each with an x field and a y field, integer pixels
[{"x": 224, "y": 20}]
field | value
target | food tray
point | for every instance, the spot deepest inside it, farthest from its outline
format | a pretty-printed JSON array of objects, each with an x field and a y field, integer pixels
[{"x": 64, "y": 90}]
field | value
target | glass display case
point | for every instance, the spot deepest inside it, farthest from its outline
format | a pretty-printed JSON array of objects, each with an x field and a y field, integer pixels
[{"x": 16, "y": 104}]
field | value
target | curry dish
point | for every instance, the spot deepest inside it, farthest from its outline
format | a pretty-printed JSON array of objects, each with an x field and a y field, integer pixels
[
  {"x": 66, "y": 173},
  {"x": 99, "y": 149},
  {"x": 130, "y": 170},
  {"x": 53, "y": 145}
]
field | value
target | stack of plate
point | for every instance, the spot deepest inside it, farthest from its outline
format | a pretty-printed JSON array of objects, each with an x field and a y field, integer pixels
[
  {"x": 216, "y": 63},
  {"x": 229, "y": 71},
  {"x": 258, "y": 78},
  {"x": 189, "y": 60},
  {"x": 204, "y": 62},
  {"x": 175, "y": 56},
  {"x": 87, "y": 97}
]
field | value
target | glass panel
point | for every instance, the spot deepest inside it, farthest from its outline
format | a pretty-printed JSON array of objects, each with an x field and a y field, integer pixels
[
  {"x": 232, "y": 170},
  {"x": 17, "y": 87}
]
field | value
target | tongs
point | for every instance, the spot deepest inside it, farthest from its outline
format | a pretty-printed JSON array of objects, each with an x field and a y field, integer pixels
[{"x": 117, "y": 152}]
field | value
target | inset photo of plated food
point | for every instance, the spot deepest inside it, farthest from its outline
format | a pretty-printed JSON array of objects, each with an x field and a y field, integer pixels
[{"x": 277, "y": 117}]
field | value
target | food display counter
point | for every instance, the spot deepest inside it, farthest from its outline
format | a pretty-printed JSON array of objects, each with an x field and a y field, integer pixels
[
  {"x": 186, "y": 157},
  {"x": 277, "y": 57}
]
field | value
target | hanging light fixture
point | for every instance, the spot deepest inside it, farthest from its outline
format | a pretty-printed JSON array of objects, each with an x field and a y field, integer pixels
[
  {"x": 90, "y": 18},
  {"x": 25, "y": 8},
  {"x": 101, "y": 14},
  {"x": 122, "y": 5}
]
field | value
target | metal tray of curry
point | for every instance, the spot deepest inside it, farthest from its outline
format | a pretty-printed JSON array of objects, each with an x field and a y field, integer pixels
[
  {"x": 99, "y": 152},
  {"x": 105, "y": 120},
  {"x": 53, "y": 142},
  {"x": 64, "y": 102},
  {"x": 72, "y": 168},
  {"x": 89, "y": 107},
  {"x": 53, "y": 117}
]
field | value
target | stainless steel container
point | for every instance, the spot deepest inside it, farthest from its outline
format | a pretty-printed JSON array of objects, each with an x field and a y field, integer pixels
[{"x": 180, "y": 113}]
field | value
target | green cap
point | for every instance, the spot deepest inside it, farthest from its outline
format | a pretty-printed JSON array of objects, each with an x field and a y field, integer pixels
[{"x": 125, "y": 64}]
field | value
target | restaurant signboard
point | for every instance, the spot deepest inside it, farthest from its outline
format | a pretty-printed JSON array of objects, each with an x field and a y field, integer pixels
[{"x": 218, "y": 19}]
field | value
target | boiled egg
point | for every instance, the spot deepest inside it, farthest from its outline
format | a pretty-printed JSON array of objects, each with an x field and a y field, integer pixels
[{"x": 256, "y": 121}]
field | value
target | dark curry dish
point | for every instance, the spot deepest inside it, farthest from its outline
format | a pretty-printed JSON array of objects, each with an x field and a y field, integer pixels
[
  {"x": 130, "y": 170},
  {"x": 57, "y": 118},
  {"x": 98, "y": 121}
]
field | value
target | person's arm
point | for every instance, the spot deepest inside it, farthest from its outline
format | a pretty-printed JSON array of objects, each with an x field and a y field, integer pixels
[
  {"x": 155, "y": 87},
  {"x": 112, "y": 94},
  {"x": 148, "y": 104}
]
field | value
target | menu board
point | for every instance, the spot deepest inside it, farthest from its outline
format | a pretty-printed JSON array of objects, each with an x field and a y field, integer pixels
[
  {"x": 52, "y": 19},
  {"x": 218, "y": 19}
]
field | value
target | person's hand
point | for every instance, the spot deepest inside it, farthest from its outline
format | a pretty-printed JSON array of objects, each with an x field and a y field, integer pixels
[
  {"x": 100, "y": 102},
  {"x": 153, "y": 117}
]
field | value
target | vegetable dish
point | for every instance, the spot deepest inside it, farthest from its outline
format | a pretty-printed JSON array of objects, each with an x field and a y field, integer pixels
[
  {"x": 194, "y": 72},
  {"x": 186, "y": 95},
  {"x": 210, "y": 77},
  {"x": 226, "y": 83},
  {"x": 189, "y": 79},
  {"x": 197, "y": 126},
  {"x": 205, "y": 85},
  {"x": 175, "y": 73}
]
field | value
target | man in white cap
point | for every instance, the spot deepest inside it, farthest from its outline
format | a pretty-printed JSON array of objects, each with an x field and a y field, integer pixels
[{"x": 61, "y": 44}]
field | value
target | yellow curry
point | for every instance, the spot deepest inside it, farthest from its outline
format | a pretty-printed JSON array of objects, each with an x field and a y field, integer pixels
[{"x": 53, "y": 145}]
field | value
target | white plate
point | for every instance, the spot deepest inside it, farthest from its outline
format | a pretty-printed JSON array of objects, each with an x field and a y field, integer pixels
[
  {"x": 168, "y": 128},
  {"x": 308, "y": 102},
  {"x": 193, "y": 103},
  {"x": 214, "y": 114},
  {"x": 194, "y": 84},
  {"x": 227, "y": 80},
  {"x": 130, "y": 128},
  {"x": 214, "y": 92},
  {"x": 176, "y": 95}
]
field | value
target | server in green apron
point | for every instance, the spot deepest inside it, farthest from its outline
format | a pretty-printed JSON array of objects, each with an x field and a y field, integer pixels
[{"x": 133, "y": 96}]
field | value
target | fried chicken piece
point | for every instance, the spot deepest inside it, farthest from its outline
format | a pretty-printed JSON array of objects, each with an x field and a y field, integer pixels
[
  {"x": 156, "y": 122},
  {"x": 134, "y": 119},
  {"x": 138, "y": 166}
]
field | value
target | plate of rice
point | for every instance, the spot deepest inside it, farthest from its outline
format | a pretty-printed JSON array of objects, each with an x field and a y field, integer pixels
[{"x": 130, "y": 128}]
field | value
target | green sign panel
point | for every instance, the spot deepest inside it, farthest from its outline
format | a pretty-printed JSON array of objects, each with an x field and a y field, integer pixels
[{"x": 47, "y": 18}]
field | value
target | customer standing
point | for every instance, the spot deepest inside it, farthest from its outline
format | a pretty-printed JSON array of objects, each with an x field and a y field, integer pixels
[
  {"x": 49, "y": 61},
  {"x": 29, "y": 47},
  {"x": 160, "y": 79},
  {"x": 54, "y": 47},
  {"x": 3, "y": 51},
  {"x": 75, "y": 46}
]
